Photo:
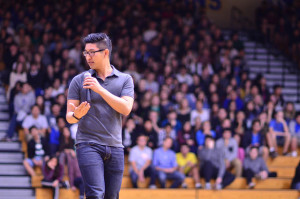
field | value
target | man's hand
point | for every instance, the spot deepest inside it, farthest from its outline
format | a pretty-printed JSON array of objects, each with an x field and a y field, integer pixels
[
  {"x": 80, "y": 110},
  {"x": 93, "y": 84},
  {"x": 141, "y": 176}
]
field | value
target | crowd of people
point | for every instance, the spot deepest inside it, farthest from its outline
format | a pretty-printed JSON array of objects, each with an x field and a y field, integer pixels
[
  {"x": 193, "y": 95},
  {"x": 280, "y": 26}
]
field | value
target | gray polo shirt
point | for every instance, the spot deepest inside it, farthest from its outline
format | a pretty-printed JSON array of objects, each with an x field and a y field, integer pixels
[{"x": 102, "y": 124}]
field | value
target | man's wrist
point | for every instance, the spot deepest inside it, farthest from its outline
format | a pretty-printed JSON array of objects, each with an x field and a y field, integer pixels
[{"x": 73, "y": 115}]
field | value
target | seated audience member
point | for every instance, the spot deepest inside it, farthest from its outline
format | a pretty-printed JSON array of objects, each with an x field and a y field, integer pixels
[
  {"x": 129, "y": 135},
  {"x": 255, "y": 138},
  {"x": 280, "y": 134},
  {"x": 66, "y": 147},
  {"x": 296, "y": 179},
  {"x": 166, "y": 131},
  {"x": 164, "y": 162},
  {"x": 212, "y": 165},
  {"x": 22, "y": 103},
  {"x": 200, "y": 135},
  {"x": 35, "y": 119},
  {"x": 187, "y": 137},
  {"x": 75, "y": 177},
  {"x": 53, "y": 173},
  {"x": 201, "y": 112},
  {"x": 230, "y": 148},
  {"x": 54, "y": 134},
  {"x": 149, "y": 131},
  {"x": 294, "y": 127},
  {"x": 187, "y": 162},
  {"x": 172, "y": 119},
  {"x": 255, "y": 166},
  {"x": 140, "y": 159},
  {"x": 37, "y": 150}
]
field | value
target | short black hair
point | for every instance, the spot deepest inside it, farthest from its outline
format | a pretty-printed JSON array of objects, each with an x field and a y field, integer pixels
[
  {"x": 254, "y": 147},
  {"x": 101, "y": 39},
  {"x": 32, "y": 127},
  {"x": 209, "y": 137},
  {"x": 255, "y": 121}
]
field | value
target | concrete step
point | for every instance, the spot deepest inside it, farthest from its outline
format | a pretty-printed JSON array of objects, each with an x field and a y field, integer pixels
[
  {"x": 290, "y": 84},
  {"x": 8, "y": 193},
  {"x": 297, "y": 106},
  {"x": 3, "y": 99},
  {"x": 12, "y": 158},
  {"x": 15, "y": 182},
  {"x": 17, "y": 197},
  {"x": 4, "y": 116},
  {"x": 278, "y": 77},
  {"x": 254, "y": 56},
  {"x": 291, "y": 91},
  {"x": 291, "y": 98},
  {"x": 255, "y": 50},
  {"x": 273, "y": 70},
  {"x": 12, "y": 169},
  {"x": 272, "y": 63},
  {"x": 10, "y": 146},
  {"x": 3, "y": 107},
  {"x": 2, "y": 134},
  {"x": 2, "y": 90},
  {"x": 4, "y": 125}
]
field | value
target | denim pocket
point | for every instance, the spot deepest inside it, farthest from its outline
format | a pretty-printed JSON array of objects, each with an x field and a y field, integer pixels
[{"x": 81, "y": 144}]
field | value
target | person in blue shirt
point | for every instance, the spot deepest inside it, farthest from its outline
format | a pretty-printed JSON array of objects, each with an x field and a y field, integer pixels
[
  {"x": 165, "y": 164},
  {"x": 54, "y": 134},
  {"x": 206, "y": 130},
  {"x": 280, "y": 133},
  {"x": 294, "y": 127},
  {"x": 233, "y": 97},
  {"x": 255, "y": 138}
]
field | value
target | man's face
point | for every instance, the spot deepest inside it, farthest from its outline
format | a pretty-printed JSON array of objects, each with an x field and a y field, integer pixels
[
  {"x": 253, "y": 154},
  {"x": 256, "y": 127},
  {"x": 168, "y": 143},
  {"x": 142, "y": 141},
  {"x": 98, "y": 57},
  {"x": 35, "y": 111},
  {"x": 184, "y": 149}
]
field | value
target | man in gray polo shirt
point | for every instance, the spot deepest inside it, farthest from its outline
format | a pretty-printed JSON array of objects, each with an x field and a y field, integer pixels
[{"x": 99, "y": 137}]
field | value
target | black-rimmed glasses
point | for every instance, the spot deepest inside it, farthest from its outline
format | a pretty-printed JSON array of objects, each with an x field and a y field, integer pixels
[{"x": 91, "y": 53}]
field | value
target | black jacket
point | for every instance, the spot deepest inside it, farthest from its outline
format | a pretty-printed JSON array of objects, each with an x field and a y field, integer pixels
[{"x": 31, "y": 147}]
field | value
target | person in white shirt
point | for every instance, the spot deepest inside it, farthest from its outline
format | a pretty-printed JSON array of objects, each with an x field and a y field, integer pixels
[
  {"x": 200, "y": 112},
  {"x": 140, "y": 158},
  {"x": 35, "y": 119},
  {"x": 184, "y": 77}
]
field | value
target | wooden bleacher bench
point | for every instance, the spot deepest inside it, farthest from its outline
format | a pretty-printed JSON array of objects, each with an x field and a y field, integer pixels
[
  {"x": 284, "y": 172},
  {"x": 283, "y": 161},
  {"x": 43, "y": 193},
  {"x": 47, "y": 193},
  {"x": 238, "y": 183},
  {"x": 275, "y": 188},
  {"x": 206, "y": 194}
]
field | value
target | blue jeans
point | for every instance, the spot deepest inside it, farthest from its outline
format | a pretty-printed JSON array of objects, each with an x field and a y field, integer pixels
[
  {"x": 149, "y": 171},
  {"x": 176, "y": 176},
  {"x": 101, "y": 168}
]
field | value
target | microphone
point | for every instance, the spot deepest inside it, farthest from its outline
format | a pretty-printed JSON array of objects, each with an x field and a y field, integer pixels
[{"x": 88, "y": 91}]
